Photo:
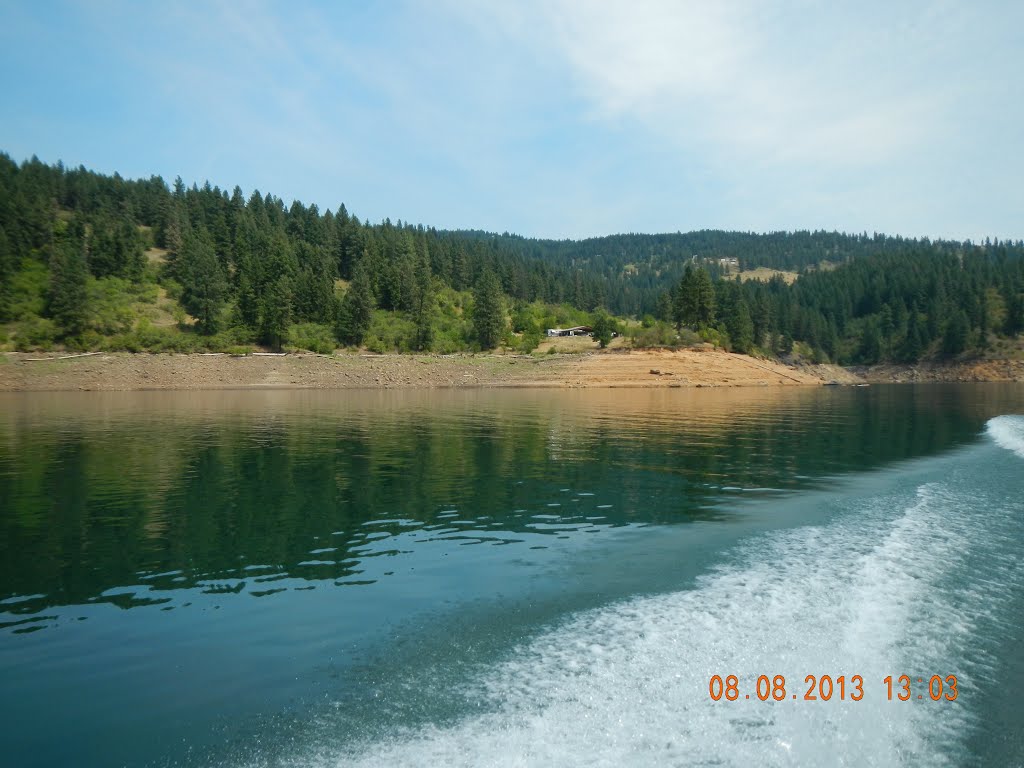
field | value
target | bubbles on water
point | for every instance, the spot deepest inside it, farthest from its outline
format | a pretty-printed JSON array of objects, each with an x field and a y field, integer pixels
[
  {"x": 1008, "y": 433},
  {"x": 887, "y": 588}
]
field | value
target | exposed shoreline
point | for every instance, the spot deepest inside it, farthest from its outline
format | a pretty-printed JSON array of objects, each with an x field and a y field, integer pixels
[{"x": 607, "y": 369}]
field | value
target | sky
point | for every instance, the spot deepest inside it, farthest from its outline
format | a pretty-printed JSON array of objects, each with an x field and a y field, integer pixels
[{"x": 546, "y": 118}]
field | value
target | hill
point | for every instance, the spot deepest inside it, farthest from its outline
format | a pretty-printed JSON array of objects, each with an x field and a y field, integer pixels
[{"x": 89, "y": 261}]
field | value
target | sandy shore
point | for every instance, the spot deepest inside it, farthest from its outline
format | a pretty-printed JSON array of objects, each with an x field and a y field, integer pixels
[
  {"x": 611, "y": 368},
  {"x": 619, "y": 368}
]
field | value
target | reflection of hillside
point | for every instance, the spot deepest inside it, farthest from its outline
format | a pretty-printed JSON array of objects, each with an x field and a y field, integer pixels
[{"x": 210, "y": 490}]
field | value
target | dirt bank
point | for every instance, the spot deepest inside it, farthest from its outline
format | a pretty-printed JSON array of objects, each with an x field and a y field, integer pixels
[
  {"x": 973, "y": 370},
  {"x": 613, "y": 368}
]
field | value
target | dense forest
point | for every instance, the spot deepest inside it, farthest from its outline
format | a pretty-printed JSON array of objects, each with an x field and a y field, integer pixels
[{"x": 94, "y": 261}]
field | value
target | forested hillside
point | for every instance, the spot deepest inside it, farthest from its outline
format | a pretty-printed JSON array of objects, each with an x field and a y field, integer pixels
[
  {"x": 634, "y": 269},
  {"x": 94, "y": 261}
]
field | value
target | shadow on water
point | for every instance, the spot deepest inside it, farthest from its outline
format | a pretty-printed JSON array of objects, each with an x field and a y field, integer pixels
[{"x": 131, "y": 499}]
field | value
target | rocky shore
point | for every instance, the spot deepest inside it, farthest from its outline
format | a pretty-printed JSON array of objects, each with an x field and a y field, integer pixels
[{"x": 611, "y": 368}]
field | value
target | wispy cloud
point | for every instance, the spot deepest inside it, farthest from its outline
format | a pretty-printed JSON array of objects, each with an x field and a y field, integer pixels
[{"x": 812, "y": 113}]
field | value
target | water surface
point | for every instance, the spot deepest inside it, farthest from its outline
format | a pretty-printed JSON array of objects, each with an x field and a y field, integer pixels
[{"x": 516, "y": 577}]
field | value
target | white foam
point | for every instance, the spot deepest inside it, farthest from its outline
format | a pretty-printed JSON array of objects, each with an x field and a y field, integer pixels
[
  {"x": 1008, "y": 432},
  {"x": 884, "y": 589}
]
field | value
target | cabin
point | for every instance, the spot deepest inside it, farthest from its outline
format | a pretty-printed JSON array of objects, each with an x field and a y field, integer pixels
[{"x": 578, "y": 330}]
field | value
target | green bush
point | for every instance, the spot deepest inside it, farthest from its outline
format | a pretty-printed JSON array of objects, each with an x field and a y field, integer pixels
[
  {"x": 173, "y": 288},
  {"x": 658, "y": 335},
  {"x": 313, "y": 336},
  {"x": 110, "y": 305},
  {"x": 715, "y": 336},
  {"x": 390, "y": 332},
  {"x": 529, "y": 341},
  {"x": 146, "y": 337},
  {"x": 28, "y": 290},
  {"x": 36, "y": 333}
]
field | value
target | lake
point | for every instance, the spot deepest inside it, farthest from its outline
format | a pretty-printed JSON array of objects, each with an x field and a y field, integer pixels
[{"x": 512, "y": 577}]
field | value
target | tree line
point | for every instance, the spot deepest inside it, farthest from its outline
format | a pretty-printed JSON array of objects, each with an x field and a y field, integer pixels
[{"x": 81, "y": 251}]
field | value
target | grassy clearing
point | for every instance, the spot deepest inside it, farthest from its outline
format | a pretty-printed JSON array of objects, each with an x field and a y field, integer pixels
[
  {"x": 764, "y": 274},
  {"x": 156, "y": 256}
]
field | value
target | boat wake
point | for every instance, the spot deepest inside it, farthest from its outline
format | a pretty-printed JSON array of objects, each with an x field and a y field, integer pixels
[{"x": 897, "y": 583}]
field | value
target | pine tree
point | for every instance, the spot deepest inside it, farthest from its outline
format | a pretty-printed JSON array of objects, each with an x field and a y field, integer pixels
[
  {"x": 694, "y": 304},
  {"x": 248, "y": 303},
  {"x": 204, "y": 288},
  {"x": 488, "y": 311},
  {"x": 276, "y": 312},
  {"x": 740, "y": 327},
  {"x": 705, "y": 299},
  {"x": 870, "y": 343},
  {"x": 68, "y": 296},
  {"x": 954, "y": 338},
  {"x": 663, "y": 310},
  {"x": 355, "y": 312},
  {"x": 684, "y": 306},
  {"x": 7, "y": 270},
  {"x": 426, "y": 304},
  {"x": 1014, "y": 322},
  {"x": 913, "y": 344}
]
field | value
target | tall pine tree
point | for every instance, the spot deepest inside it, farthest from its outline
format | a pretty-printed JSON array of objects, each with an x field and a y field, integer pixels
[
  {"x": 68, "y": 295},
  {"x": 355, "y": 311},
  {"x": 204, "y": 287},
  {"x": 488, "y": 311}
]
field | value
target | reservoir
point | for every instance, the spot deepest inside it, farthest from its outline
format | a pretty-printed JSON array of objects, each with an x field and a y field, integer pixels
[{"x": 512, "y": 577}]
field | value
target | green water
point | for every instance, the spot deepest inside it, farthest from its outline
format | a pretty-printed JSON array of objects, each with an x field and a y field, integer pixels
[{"x": 540, "y": 578}]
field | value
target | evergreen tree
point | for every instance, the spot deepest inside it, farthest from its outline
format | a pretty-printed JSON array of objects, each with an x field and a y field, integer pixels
[
  {"x": 355, "y": 312},
  {"x": 248, "y": 303},
  {"x": 7, "y": 271},
  {"x": 276, "y": 312},
  {"x": 740, "y": 327},
  {"x": 488, "y": 311},
  {"x": 870, "y": 343},
  {"x": 604, "y": 327},
  {"x": 955, "y": 336},
  {"x": 68, "y": 295},
  {"x": 705, "y": 299},
  {"x": 913, "y": 344},
  {"x": 664, "y": 309},
  {"x": 1014, "y": 322},
  {"x": 314, "y": 290},
  {"x": 426, "y": 305},
  {"x": 887, "y": 330},
  {"x": 694, "y": 304},
  {"x": 204, "y": 288}
]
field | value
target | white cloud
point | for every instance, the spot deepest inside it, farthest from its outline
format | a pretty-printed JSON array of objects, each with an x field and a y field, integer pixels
[
  {"x": 804, "y": 84},
  {"x": 810, "y": 113}
]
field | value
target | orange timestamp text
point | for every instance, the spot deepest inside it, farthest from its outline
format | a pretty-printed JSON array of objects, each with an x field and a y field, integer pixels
[{"x": 827, "y": 687}]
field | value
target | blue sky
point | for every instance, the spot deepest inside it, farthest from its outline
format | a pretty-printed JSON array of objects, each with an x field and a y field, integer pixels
[{"x": 549, "y": 118}]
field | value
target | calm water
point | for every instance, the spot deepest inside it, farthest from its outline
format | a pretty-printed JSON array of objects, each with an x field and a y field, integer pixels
[{"x": 509, "y": 578}]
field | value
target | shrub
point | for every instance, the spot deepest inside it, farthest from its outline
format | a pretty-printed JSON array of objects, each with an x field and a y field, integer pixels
[
  {"x": 390, "y": 332},
  {"x": 110, "y": 305},
  {"x": 529, "y": 341},
  {"x": 36, "y": 333},
  {"x": 715, "y": 336},
  {"x": 28, "y": 289},
  {"x": 313, "y": 336}
]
